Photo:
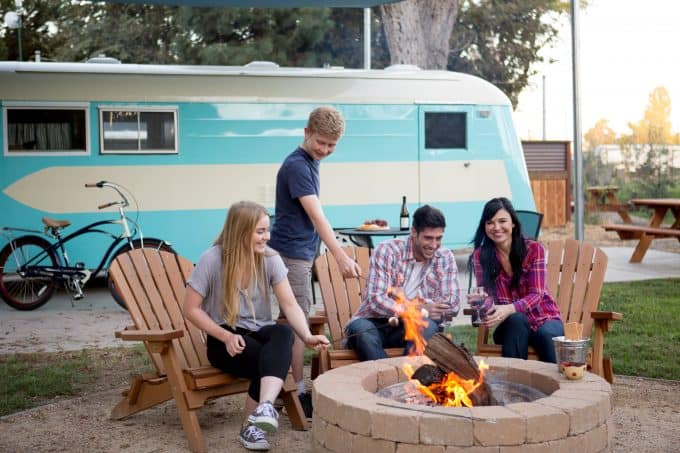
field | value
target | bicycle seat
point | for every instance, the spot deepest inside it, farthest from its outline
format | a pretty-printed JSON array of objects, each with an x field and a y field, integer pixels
[{"x": 52, "y": 223}]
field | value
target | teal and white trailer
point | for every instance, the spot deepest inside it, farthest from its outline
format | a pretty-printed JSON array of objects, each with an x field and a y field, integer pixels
[{"x": 190, "y": 140}]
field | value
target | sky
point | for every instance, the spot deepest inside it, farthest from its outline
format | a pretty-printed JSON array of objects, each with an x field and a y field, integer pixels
[{"x": 627, "y": 49}]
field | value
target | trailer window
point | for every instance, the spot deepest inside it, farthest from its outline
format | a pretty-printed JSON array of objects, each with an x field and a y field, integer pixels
[
  {"x": 445, "y": 130},
  {"x": 125, "y": 131},
  {"x": 39, "y": 130}
]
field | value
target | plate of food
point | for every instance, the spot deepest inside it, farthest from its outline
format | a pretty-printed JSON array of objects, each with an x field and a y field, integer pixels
[{"x": 374, "y": 225}]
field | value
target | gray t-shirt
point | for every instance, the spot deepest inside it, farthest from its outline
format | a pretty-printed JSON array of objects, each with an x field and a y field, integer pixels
[{"x": 206, "y": 279}]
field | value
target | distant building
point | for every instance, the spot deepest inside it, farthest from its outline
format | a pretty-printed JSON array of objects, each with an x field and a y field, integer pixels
[{"x": 633, "y": 156}]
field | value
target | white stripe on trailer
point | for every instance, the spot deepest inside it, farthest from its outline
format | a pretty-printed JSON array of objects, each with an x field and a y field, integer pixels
[{"x": 198, "y": 187}]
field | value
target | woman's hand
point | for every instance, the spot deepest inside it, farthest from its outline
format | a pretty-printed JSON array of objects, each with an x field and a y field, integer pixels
[
  {"x": 235, "y": 344},
  {"x": 316, "y": 341},
  {"x": 498, "y": 315}
]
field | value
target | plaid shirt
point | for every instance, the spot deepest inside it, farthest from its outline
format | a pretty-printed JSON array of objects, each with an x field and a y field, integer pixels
[
  {"x": 392, "y": 263},
  {"x": 532, "y": 297}
]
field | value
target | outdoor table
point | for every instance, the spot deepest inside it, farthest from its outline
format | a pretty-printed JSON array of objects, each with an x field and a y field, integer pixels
[
  {"x": 603, "y": 198},
  {"x": 363, "y": 238},
  {"x": 646, "y": 234}
]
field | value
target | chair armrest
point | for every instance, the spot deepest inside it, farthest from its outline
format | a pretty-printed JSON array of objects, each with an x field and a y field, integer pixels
[
  {"x": 149, "y": 335},
  {"x": 606, "y": 316}
]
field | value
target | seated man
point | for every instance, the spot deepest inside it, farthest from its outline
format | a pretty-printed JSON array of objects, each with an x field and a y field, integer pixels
[{"x": 420, "y": 268}]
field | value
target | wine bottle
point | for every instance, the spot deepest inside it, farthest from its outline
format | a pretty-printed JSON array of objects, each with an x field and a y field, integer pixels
[{"x": 403, "y": 216}]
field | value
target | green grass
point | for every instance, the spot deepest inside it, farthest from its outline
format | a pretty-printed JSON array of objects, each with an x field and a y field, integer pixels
[
  {"x": 646, "y": 342},
  {"x": 29, "y": 380}
]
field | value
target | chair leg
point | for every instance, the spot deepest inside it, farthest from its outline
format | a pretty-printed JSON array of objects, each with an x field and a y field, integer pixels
[
  {"x": 291, "y": 402},
  {"x": 142, "y": 395},
  {"x": 608, "y": 369},
  {"x": 187, "y": 415}
]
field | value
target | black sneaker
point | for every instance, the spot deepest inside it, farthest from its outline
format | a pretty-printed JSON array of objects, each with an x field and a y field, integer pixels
[
  {"x": 253, "y": 438},
  {"x": 306, "y": 402}
]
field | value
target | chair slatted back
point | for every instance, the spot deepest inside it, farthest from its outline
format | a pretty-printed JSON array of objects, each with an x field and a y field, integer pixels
[
  {"x": 152, "y": 284},
  {"x": 341, "y": 297},
  {"x": 531, "y": 222},
  {"x": 575, "y": 278}
]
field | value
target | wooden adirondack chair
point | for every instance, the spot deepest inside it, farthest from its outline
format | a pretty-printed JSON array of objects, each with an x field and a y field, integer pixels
[
  {"x": 575, "y": 278},
  {"x": 341, "y": 298},
  {"x": 152, "y": 284}
]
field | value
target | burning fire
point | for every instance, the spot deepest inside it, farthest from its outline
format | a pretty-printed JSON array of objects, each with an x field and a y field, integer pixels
[
  {"x": 414, "y": 318},
  {"x": 452, "y": 391}
]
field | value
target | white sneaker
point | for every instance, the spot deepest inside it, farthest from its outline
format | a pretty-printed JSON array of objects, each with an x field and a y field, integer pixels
[{"x": 265, "y": 417}]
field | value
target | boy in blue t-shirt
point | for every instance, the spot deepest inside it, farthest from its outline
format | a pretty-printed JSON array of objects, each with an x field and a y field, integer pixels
[{"x": 299, "y": 220}]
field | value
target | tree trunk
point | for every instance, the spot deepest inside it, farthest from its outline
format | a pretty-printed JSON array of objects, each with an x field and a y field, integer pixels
[{"x": 418, "y": 31}]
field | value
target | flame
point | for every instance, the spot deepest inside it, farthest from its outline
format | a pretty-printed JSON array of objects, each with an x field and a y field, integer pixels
[
  {"x": 413, "y": 318},
  {"x": 452, "y": 391}
]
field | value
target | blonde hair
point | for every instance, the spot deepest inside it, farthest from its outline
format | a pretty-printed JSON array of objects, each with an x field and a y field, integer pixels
[
  {"x": 240, "y": 263},
  {"x": 327, "y": 121}
]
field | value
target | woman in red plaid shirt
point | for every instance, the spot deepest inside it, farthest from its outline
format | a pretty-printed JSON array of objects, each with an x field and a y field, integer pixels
[{"x": 512, "y": 270}]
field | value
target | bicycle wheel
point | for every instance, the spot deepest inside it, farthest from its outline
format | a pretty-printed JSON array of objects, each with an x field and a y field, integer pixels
[
  {"x": 31, "y": 292},
  {"x": 155, "y": 244}
]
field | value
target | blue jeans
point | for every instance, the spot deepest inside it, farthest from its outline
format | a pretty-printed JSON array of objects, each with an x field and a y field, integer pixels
[
  {"x": 370, "y": 337},
  {"x": 515, "y": 335}
]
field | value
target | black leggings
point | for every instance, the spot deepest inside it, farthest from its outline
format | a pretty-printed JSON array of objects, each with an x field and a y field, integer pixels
[{"x": 268, "y": 352}]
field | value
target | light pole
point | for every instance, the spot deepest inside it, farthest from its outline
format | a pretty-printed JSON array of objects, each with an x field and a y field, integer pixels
[
  {"x": 19, "y": 4},
  {"x": 13, "y": 20}
]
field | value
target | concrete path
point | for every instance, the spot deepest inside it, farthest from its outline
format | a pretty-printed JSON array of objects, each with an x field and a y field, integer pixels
[{"x": 61, "y": 325}]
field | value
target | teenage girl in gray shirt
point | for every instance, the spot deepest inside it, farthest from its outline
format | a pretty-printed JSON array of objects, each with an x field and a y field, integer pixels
[{"x": 228, "y": 297}]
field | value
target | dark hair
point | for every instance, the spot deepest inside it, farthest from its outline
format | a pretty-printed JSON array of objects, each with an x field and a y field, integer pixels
[
  {"x": 428, "y": 217},
  {"x": 487, "y": 256}
]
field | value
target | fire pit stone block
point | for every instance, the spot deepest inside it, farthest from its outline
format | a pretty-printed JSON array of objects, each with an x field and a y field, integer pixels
[
  {"x": 395, "y": 424},
  {"x": 497, "y": 425},
  {"x": 544, "y": 423},
  {"x": 436, "y": 429}
]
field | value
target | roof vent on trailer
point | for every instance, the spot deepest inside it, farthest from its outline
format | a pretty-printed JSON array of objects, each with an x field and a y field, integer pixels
[
  {"x": 261, "y": 65},
  {"x": 101, "y": 58},
  {"x": 402, "y": 67}
]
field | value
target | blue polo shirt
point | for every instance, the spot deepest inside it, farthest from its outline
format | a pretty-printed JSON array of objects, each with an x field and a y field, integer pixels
[{"x": 293, "y": 234}]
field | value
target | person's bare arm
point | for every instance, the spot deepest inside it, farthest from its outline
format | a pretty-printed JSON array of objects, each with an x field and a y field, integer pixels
[
  {"x": 312, "y": 207},
  {"x": 295, "y": 316},
  {"x": 194, "y": 313}
]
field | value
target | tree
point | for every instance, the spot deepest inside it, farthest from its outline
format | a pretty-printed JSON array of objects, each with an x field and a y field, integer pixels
[
  {"x": 600, "y": 134},
  {"x": 234, "y": 36},
  {"x": 595, "y": 172},
  {"x": 419, "y": 31},
  {"x": 650, "y": 141},
  {"x": 37, "y": 31},
  {"x": 500, "y": 41},
  {"x": 131, "y": 33}
]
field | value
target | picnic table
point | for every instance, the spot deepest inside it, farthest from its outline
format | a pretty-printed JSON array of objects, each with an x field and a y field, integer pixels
[
  {"x": 646, "y": 234},
  {"x": 603, "y": 198}
]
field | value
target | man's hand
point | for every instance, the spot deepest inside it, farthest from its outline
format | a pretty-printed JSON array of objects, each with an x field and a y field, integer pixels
[
  {"x": 437, "y": 311},
  {"x": 349, "y": 267}
]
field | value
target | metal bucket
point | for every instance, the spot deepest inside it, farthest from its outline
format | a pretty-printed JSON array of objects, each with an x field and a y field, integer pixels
[{"x": 570, "y": 352}]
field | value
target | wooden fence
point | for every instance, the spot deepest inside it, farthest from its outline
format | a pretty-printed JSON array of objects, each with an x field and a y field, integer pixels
[{"x": 549, "y": 165}]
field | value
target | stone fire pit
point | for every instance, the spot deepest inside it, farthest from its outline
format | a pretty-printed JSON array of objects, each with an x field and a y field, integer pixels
[{"x": 576, "y": 416}]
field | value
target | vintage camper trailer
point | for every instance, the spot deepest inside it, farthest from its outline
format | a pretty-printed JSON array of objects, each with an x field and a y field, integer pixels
[{"x": 189, "y": 141}]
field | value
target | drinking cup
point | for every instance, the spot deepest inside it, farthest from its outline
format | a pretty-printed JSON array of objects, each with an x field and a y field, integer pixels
[{"x": 475, "y": 297}]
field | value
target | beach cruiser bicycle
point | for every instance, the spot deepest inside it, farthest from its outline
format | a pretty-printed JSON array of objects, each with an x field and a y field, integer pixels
[{"x": 34, "y": 263}]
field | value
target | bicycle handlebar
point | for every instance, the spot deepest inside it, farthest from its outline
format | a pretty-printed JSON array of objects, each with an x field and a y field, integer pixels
[
  {"x": 106, "y": 205},
  {"x": 101, "y": 184}
]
